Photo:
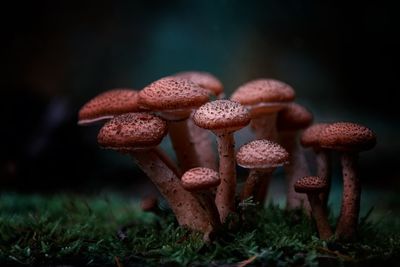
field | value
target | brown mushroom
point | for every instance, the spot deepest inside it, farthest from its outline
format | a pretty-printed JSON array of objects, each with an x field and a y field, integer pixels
[
  {"x": 264, "y": 98},
  {"x": 107, "y": 105},
  {"x": 262, "y": 157},
  {"x": 201, "y": 137},
  {"x": 313, "y": 186},
  {"x": 138, "y": 134},
  {"x": 200, "y": 182},
  {"x": 310, "y": 138},
  {"x": 349, "y": 139},
  {"x": 223, "y": 118},
  {"x": 174, "y": 99},
  {"x": 290, "y": 121}
]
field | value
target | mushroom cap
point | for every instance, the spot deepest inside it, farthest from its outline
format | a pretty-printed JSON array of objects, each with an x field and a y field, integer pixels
[
  {"x": 109, "y": 104},
  {"x": 222, "y": 115},
  {"x": 199, "y": 178},
  {"x": 347, "y": 137},
  {"x": 311, "y": 184},
  {"x": 293, "y": 117},
  {"x": 260, "y": 154},
  {"x": 149, "y": 203},
  {"x": 172, "y": 93},
  {"x": 203, "y": 79},
  {"x": 132, "y": 131},
  {"x": 263, "y": 91},
  {"x": 311, "y": 136}
]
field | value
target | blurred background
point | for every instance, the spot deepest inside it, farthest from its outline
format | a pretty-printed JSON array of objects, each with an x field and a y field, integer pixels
[{"x": 56, "y": 55}]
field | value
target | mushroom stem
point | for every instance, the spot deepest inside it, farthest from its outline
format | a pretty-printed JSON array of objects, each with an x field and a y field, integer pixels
[
  {"x": 183, "y": 144},
  {"x": 262, "y": 187},
  {"x": 296, "y": 169},
  {"x": 225, "y": 198},
  {"x": 348, "y": 219},
  {"x": 185, "y": 206},
  {"x": 264, "y": 126},
  {"x": 249, "y": 186},
  {"x": 323, "y": 158},
  {"x": 167, "y": 160},
  {"x": 203, "y": 145},
  {"x": 320, "y": 216}
]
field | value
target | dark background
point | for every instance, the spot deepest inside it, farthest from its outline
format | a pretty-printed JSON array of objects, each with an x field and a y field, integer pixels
[{"x": 342, "y": 61}]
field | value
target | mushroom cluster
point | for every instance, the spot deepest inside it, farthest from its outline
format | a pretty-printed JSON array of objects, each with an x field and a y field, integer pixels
[{"x": 202, "y": 191}]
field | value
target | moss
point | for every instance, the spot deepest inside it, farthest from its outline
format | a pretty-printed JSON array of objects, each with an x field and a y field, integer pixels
[{"x": 79, "y": 230}]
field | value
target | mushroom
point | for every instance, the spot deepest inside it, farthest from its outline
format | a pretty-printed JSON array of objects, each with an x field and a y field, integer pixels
[
  {"x": 290, "y": 121},
  {"x": 223, "y": 118},
  {"x": 262, "y": 157},
  {"x": 138, "y": 134},
  {"x": 174, "y": 99},
  {"x": 311, "y": 138},
  {"x": 349, "y": 139},
  {"x": 200, "y": 182},
  {"x": 107, "y": 105},
  {"x": 200, "y": 137},
  {"x": 313, "y": 186},
  {"x": 264, "y": 98},
  {"x": 150, "y": 204}
]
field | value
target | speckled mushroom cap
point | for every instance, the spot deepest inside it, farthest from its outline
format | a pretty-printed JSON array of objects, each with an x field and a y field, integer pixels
[
  {"x": 311, "y": 184},
  {"x": 222, "y": 115},
  {"x": 261, "y": 154},
  {"x": 198, "y": 179},
  {"x": 293, "y": 117},
  {"x": 109, "y": 104},
  {"x": 172, "y": 93},
  {"x": 132, "y": 131},
  {"x": 264, "y": 93},
  {"x": 203, "y": 79},
  {"x": 311, "y": 136},
  {"x": 347, "y": 137}
]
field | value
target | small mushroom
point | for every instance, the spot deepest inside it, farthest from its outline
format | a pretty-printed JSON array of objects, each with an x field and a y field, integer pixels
[
  {"x": 290, "y": 121},
  {"x": 264, "y": 98},
  {"x": 138, "y": 134},
  {"x": 200, "y": 182},
  {"x": 201, "y": 137},
  {"x": 174, "y": 99},
  {"x": 349, "y": 139},
  {"x": 262, "y": 157},
  {"x": 313, "y": 186},
  {"x": 150, "y": 204},
  {"x": 223, "y": 118},
  {"x": 107, "y": 105},
  {"x": 311, "y": 138}
]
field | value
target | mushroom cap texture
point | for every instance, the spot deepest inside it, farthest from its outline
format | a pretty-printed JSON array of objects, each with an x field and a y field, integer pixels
[
  {"x": 293, "y": 117},
  {"x": 132, "y": 130},
  {"x": 311, "y": 184},
  {"x": 222, "y": 115},
  {"x": 263, "y": 90},
  {"x": 260, "y": 154},
  {"x": 171, "y": 93},
  {"x": 110, "y": 103},
  {"x": 199, "y": 178},
  {"x": 203, "y": 79},
  {"x": 311, "y": 136},
  {"x": 347, "y": 137}
]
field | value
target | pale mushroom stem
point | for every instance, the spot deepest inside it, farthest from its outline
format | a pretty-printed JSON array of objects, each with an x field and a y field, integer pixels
[
  {"x": 348, "y": 219},
  {"x": 183, "y": 145},
  {"x": 320, "y": 217},
  {"x": 262, "y": 187},
  {"x": 264, "y": 126},
  {"x": 203, "y": 145},
  {"x": 296, "y": 169},
  {"x": 225, "y": 198},
  {"x": 184, "y": 205},
  {"x": 168, "y": 161},
  {"x": 323, "y": 158}
]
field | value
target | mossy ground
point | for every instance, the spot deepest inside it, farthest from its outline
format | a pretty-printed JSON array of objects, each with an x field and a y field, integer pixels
[{"x": 82, "y": 230}]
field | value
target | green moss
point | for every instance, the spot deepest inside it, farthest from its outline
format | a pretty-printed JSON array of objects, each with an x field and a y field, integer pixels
[{"x": 78, "y": 230}]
